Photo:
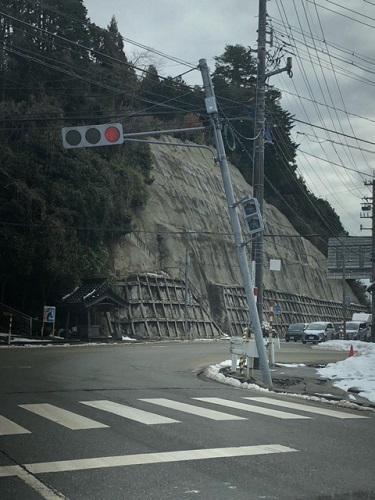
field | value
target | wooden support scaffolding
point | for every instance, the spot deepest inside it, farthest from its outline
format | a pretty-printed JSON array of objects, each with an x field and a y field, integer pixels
[{"x": 156, "y": 309}]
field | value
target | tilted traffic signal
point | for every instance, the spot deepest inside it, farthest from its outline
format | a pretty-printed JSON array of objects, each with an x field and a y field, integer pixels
[
  {"x": 90, "y": 136},
  {"x": 252, "y": 215}
]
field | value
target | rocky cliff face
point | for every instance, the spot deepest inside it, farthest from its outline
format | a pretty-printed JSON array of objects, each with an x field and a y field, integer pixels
[{"x": 187, "y": 213}]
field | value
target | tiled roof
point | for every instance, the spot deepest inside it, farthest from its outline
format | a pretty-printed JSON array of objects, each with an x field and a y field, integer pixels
[{"x": 92, "y": 291}]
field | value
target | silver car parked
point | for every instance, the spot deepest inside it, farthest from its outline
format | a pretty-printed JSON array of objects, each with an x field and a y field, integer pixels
[{"x": 318, "y": 331}]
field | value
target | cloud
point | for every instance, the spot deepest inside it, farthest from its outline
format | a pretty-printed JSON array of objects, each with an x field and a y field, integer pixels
[{"x": 333, "y": 66}]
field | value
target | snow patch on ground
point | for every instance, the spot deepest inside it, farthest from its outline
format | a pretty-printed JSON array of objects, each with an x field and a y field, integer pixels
[
  {"x": 290, "y": 365},
  {"x": 213, "y": 372},
  {"x": 357, "y": 373}
]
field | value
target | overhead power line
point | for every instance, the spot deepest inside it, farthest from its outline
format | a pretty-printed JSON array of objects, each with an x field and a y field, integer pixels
[{"x": 334, "y": 131}]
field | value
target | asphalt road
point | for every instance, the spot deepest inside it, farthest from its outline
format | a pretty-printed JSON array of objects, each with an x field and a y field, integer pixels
[{"x": 124, "y": 422}]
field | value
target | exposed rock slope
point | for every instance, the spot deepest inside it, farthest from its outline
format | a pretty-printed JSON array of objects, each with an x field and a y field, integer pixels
[{"x": 187, "y": 212}]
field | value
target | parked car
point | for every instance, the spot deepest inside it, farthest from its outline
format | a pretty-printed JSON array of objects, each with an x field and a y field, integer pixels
[
  {"x": 357, "y": 330},
  {"x": 295, "y": 331},
  {"x": 318, "y": 331}
]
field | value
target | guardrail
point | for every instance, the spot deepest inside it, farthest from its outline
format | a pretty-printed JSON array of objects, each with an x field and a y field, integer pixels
[{"x": 21, "y": 323}]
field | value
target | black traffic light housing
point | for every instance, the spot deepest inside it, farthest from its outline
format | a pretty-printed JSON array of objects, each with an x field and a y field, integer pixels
[
  {"x": 89, "y": 136},
  {"x": 252, "y": 215}
]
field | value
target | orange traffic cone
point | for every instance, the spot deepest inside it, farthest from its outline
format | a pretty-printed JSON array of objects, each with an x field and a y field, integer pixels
[{"x": 351, "y": 351}]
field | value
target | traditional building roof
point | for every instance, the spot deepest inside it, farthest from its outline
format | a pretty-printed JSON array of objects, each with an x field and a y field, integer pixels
[{"x": 93, "y": 291}]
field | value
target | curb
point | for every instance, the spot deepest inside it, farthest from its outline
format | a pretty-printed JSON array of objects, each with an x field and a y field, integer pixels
[{"x": 294, "y": 386}]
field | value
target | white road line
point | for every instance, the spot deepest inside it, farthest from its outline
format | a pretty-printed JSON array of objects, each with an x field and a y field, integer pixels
[
  {"x": 307, "y": 408},
  {"x": 63, "y": 417},
  {"x": 253, "y": 409},
  {"x": 147, "y": 458},
  {"x": 194, "y": 410},
  {"x": 9, "y": 470},
  {"x": 144, "y": 417},
  {"x": 7, "y": 427},
  {"x": 43, "y": 490}
]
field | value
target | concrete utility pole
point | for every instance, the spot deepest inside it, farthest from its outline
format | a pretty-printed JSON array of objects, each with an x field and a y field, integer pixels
[
  {"x": 258, "y": 188},
  {"x": 221, "y": 159},
  {"x": 343, "y": 293},
  {"x": 373, "y": 262},
  {"x": 371, "y": 203},
  {"x": 186, "y": 324}
]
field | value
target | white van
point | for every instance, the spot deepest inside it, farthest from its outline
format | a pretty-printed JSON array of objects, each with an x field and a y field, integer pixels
[{"x": 362, "y": 316}]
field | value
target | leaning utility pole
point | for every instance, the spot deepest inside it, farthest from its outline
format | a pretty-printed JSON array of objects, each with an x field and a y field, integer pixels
[{"x": 221, "y": 159}]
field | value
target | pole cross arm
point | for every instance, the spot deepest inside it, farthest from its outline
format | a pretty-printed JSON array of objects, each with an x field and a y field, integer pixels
[{"x": 277, "y": 71}]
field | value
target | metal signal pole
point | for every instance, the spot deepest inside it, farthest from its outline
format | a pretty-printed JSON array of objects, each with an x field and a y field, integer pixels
[{"x": 221, "y": 159}]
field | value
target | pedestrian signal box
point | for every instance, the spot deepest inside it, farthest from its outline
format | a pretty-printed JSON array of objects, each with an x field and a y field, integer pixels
[
  {"x": 252, "y": 215},
  {"x": 90, "y": 136}
]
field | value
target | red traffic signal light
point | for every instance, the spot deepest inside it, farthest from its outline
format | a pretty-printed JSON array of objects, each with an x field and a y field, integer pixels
[{"x": 89, "y": 136}]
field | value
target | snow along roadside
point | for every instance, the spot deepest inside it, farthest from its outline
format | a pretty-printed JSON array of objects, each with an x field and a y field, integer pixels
[{"x": 213, "y": 372}]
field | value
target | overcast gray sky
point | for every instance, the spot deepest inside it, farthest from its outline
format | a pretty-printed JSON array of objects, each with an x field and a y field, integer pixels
[{"x": 332, "y": 89}]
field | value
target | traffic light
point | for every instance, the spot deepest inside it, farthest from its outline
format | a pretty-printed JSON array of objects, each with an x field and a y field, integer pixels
[
  {"x": 252, "y": 215},
  {"x": 90, "y": 136}
]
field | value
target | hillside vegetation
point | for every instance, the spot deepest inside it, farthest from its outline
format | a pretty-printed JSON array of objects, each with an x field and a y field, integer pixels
[{"x": 61, "y": 209}]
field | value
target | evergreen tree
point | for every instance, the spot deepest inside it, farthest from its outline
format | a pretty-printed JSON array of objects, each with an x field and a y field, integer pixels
[
  {"x": 61, "y": 210},
  {"x": 235, "y": 87},
  {"x": 112, "y": 68}
]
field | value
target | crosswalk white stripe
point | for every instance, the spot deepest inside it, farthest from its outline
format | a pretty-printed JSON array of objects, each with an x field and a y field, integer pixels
[
  {"x": 307, "y": 408},
  {"x": 194, "y": 410},
  {"x": 144, "y": 417},
  {"x": 63, "y": 417},
  {"x": 7, "y": 427},
  {"x": 253, "y": 409},
  {"x": 151, "y": 458}
]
